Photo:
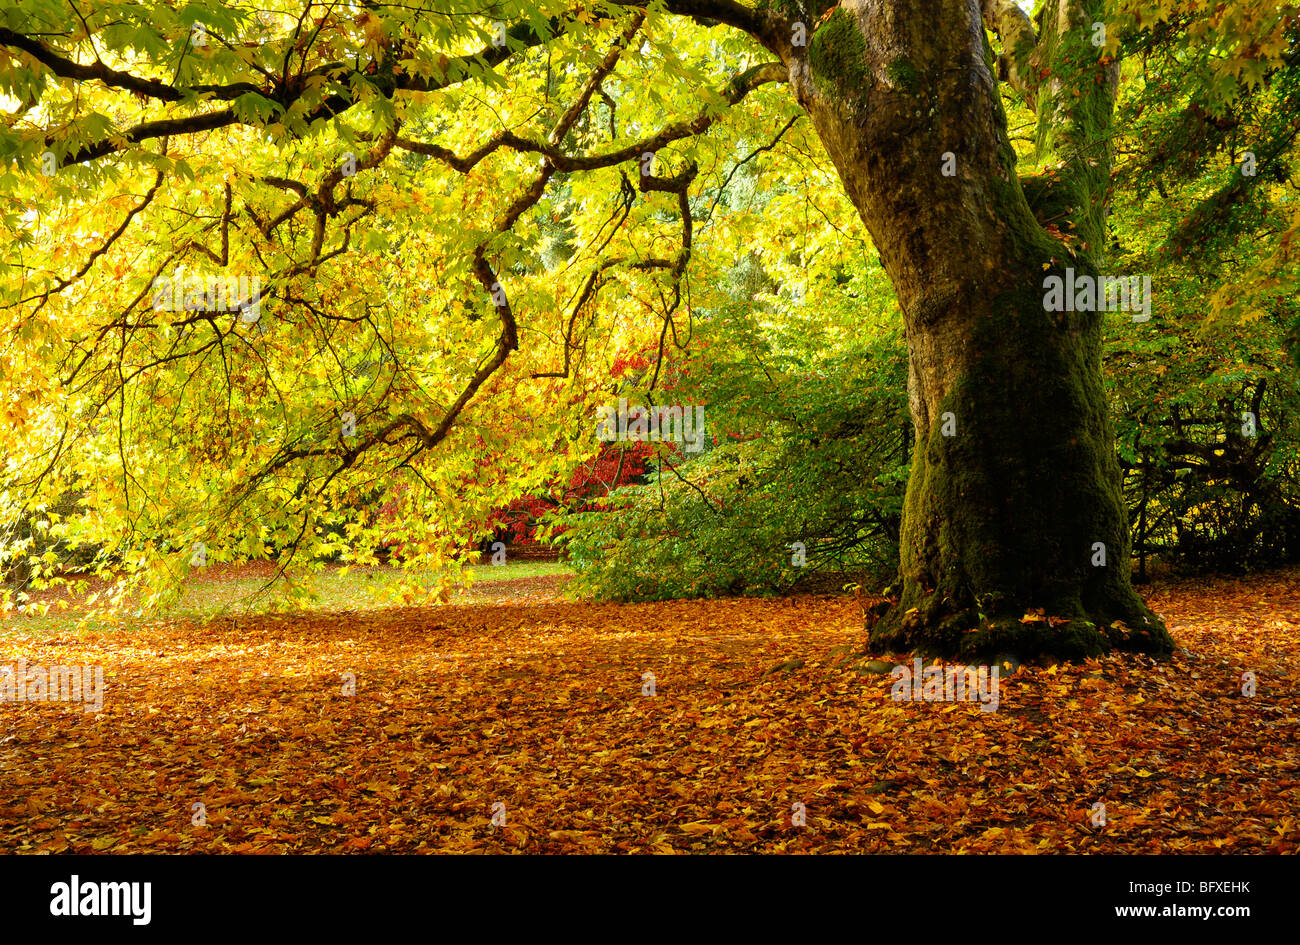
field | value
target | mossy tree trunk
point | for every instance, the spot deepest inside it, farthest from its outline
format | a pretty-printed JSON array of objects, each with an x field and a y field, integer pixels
[{"x": 1014, "y": 501}]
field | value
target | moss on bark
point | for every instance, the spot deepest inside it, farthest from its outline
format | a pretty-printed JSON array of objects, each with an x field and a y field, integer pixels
[
  {"x": 837, "y": 55},
  {"x": 903, "y": 74},
  {"x": 1006, "y": 516},
  {"x": 1074, "y": 116}
]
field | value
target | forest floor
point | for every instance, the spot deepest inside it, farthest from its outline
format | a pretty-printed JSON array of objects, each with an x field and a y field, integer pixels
[{"x": 514, "y": 720}]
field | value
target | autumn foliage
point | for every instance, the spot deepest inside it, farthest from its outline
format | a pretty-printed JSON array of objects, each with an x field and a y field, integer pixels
[{"x": 512, "y": 696}]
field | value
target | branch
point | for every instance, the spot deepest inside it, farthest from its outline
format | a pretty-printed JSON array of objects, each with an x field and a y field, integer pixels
[
  {"x": 767, "y": 26},
  {"x": 732, "y": 93},
  {"x": 283, "y": 94},
  {"x": 65, "y": 68},
  {"x": 745, "y": 160},
  {"x": 113, "y": 238},
  {"x": 147, "y": 131},
  {"x": 1013, "y": 27}
]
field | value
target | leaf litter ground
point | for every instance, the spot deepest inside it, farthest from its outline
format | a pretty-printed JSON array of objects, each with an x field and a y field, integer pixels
[{"x": 518, "y": 706}]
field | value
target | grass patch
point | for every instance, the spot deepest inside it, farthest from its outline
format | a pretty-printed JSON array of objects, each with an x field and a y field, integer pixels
[{"x": 241, "y": 590}]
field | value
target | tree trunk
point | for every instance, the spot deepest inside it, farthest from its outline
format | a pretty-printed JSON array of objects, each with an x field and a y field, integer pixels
[{"x": 1014, "y": 501}]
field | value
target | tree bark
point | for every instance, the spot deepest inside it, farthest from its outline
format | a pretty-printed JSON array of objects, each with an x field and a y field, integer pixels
[{"x": 1014, "y": 501}]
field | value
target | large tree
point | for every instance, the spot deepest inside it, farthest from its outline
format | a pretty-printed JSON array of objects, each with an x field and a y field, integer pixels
[{"x": 391, "y": 170}]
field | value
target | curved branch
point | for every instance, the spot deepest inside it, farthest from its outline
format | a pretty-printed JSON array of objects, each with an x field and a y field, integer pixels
[
  {"x": 732, "y": 93},
  {"x": 1012, "y": 25},
  {"x": 453, "y": 71},
  {"x": 765, "y": 25},
  {"x": 66, "y": 68}
]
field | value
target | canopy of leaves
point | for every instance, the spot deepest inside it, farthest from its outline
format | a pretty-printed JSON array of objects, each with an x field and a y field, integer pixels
[{"x": 447, "y": 227}]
